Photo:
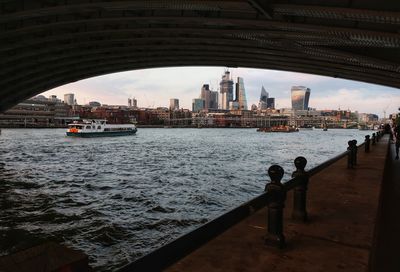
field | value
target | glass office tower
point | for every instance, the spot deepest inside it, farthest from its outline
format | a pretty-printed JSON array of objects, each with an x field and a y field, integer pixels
[{"x": 300, "y": 97}]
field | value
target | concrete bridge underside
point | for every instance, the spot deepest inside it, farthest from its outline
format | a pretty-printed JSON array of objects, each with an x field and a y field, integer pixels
[{"x": 48, "y": 43}]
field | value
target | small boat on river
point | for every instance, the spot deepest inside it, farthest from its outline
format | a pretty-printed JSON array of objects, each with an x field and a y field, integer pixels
[
  {"x": 306, "y": 127},
  {"x": 99, "y": 128},
  {"x": 281, "y": 128}
]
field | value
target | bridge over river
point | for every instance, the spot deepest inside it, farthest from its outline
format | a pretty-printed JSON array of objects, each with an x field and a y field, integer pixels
[{"x": 48, "y": 43}]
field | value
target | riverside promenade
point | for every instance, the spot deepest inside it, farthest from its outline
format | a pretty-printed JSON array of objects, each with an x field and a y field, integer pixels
[{"x": 342, "y": 208}]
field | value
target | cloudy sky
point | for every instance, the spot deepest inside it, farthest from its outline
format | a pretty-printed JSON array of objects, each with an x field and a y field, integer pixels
[{"x": 154, "y": 87}]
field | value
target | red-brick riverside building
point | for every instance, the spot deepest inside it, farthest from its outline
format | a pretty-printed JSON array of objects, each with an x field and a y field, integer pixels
[{"x": 38, "y": 112}]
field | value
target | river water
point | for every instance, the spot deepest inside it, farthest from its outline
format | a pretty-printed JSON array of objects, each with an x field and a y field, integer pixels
[{"x": 119, "y": 198}]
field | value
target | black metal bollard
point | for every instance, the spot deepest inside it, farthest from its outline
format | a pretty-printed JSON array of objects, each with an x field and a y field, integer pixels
[
  {"x": 276, "y": 203},
  {"x": 373, "y": 139},
  {"x": 355, "y": 150},
  {"x": 350, "y": 159},
  {"x": 367, "y": 142},
  {"x": 300, "y": 192}
]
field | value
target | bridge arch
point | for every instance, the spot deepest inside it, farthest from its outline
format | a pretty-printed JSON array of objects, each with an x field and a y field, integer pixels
[{"x": 45, "y": 44}]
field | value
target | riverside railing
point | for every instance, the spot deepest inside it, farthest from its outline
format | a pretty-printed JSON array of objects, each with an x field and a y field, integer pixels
[{"x": 273, "y": 197}]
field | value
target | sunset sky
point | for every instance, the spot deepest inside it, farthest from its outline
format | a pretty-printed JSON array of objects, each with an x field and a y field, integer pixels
[{"x": 154, "y": 88}]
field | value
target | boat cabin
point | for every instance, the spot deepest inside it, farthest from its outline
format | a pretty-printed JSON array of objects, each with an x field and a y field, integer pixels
[{"x": 87, "y": 126}]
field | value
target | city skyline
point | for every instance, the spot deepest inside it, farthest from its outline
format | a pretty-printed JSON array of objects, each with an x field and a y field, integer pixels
[{"x": 154, "y": 88}]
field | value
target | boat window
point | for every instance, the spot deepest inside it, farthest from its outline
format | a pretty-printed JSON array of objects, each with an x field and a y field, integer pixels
[
  {"x": 93, "y": 127},
  {"x": 88, "y": 127},
  {"x": 99, "y": 127}
]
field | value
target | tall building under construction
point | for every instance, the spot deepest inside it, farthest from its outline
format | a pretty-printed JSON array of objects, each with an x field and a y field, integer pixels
[{"x": 226, "y": 90}]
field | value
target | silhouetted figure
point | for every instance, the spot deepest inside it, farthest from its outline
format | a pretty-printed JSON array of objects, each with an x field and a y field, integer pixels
[
  {"x": 397, "y": 137},
  {"x": 388, "y": 129}
]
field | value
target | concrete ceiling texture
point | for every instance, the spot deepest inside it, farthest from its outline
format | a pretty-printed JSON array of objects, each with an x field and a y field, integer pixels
[{"x": 48, "y": 43}]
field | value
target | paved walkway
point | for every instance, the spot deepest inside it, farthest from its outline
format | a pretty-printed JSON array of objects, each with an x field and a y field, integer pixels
[
  {"x": 385, "y": 256},
  {"x": 342, "y": 206}
]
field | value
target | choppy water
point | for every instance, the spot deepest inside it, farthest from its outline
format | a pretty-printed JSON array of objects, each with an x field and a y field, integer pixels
[{"x": 119, "y": 198}]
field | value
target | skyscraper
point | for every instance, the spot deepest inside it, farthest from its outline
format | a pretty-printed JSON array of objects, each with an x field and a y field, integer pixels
[
  {"x": 241, "y": 94},
  {"x": 197, "y": 104},
  {"x": 174, "y": 104},
  {"x": 262, "y": 104},
  {"x": 134, "y": 102},
  {"x": 270, "y": 103},
  {"x": 213, "y": 103},
  {"x": 69, "y": 99},
  {"x": 300, "y": 97},
  {"x": 210, "y": 97},
  {"x": 226, "y": 90},
  {"x": 264, "y": 95}
]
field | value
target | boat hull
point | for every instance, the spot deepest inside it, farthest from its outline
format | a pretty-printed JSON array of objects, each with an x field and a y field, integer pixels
[
  {"x": 101, "y": 134},
  {"x": 277, "y": 129}
]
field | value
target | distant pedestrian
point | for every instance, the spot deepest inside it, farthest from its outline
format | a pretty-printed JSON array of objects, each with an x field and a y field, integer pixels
[
  {"x": 397, "y": 137},
  {"x": 389, "y": 130}
]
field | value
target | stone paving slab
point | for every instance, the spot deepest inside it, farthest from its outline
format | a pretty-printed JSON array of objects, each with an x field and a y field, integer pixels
[{"x": 342, "y": 206}]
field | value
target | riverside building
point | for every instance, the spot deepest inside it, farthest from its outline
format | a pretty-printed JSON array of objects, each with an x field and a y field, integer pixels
[{"x": 38, "y": 112}]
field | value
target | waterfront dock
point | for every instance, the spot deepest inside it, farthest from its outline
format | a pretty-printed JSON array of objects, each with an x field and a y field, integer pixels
[{"x": 339, "y": 235}]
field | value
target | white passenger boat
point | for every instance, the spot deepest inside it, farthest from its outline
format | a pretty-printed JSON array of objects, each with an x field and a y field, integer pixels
[{"x": 99, "y": 128}]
